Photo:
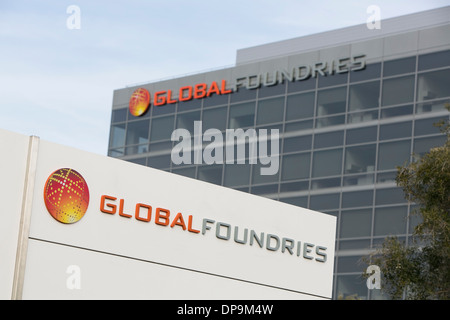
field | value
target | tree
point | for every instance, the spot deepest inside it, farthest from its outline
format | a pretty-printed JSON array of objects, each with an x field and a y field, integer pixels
[{"x": 421, "y": 270}]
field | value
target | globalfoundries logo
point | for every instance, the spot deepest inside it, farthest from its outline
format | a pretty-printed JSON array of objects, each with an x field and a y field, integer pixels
[
  {"x": 139, "y": 102},
  {"x": 66, "y": 195}
]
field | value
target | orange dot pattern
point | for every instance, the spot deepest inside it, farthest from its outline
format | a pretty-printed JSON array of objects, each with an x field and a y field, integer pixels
[
  {"x": 139, "y": 102},
  {"x": 66, "y": 195}
]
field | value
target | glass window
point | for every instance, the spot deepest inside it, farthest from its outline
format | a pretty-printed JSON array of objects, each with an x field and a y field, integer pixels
[
  {"x": 161, "y": 128},
  {"x": 432, "y": 106},
  {"x": 298, "y": 126},
  {"x": 296, "y": 201},
  {"x": 300, "y": 106},
  {"x": 327, "y": 163},
  {"x": 361, "y": 135},
  {"x": 325, "y": 183},
  {"x": 330, "y": 121},
  {"x": 364, "y": 95},
  {"x": 356, "y": 223},
  {"x": 160, "y": 146},
  {"x": 215, "y": 100},
  {"x": 189, "y": 105},
  {"x": 352, "y": 264},
  {"x": 117, "y": 135},
  {"x": 186, "y": 121},
  {"x": 164, "y": 109},
  {"x": 350, "y": 287},
  {"x": 119, "y": 115},
  {"x": 140, "y": 161},
  {"x": 294, "y": 186},
  {"x": 116, "y": 152},
  {"x": 267, "y": 91},
  {"x": 332, "y": 80},
  {"x": 395, "y": 130},
  {"x": 295, "y": 166},
  {"x": 215, "y": 118},
  {"x": 269, "y": 189},
  {"x": 423, "y": 145},
  {"x": 434, "y": 60},
  {"x": 212, "y": 174},
  {"x": 237, "y": 175},
  {"x": 433, "y": 85},
  {"x": 389, "y": 196},
  {"x": 307, "y": 84},
  {"x": 397, "y": 111},
  {"x": 324, "y": 201},
  {"x": 356, "y": 117},
  {"x": 331, "y": 101},
  {"x": 371, "y": 71},
  {"x": 357, "y": 199},
  {"x": 328, "y": 139},
  {"x": 390, "y": 221},
  {"x": 398, "y": 90},
  {"x": 243, "y": 94},
  {"x": 359, "y": 179},
  {"x": 399, "y": 66},
  {"x": 270, "y": 111},
  {"x": 360, "y": 159},
  {"x": 257, "y": 177},
  {"x": 393, "y": 154},
  {"x": 186, "y": 172},
  {"x": 297, "y": 143},
  {"x": 159, "y": 162},
  {"x": 242, "y": 115},
  {"x": 137, "y": 132}
]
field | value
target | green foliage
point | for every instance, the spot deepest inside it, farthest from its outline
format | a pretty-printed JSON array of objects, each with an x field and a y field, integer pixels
[{"x": 421, "y": 270}]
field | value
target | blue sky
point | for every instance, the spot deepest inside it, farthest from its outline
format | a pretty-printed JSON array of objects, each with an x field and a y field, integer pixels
[{"x": 58, "y": 83}]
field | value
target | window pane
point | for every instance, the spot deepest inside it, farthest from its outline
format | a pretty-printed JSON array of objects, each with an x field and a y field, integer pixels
[
  {"x": 331, "y": 101},
  {"x": 243, "y": 94},
  {"x": 364, "y": 96},
  {"x": 119, "y": 115},
  {"x": 237, "y": 175},
  {"x": 335, "y": 79},
  {"x": 295, "y": 166},
  {"x": 117, "y": 136},
  {"x": 360, "y": 159},
  {"x": 302, "y": 85},
  {"x": 390, "y": 221},
  {"x": 395, "y": 130},
  {"x": 329, "y": 139},
  {"x": 212, "y": 174},
  {"x": 297, "y": 143},
  {"x": 214, "y": 118},
  {"x": 389, "y": 196},
  {"x": 162, "y": 128},
  {"x": 294, "y": 186},
  {"x": 159, "y": 162},
  {"x": 300, "y": 106},
  {"x": 267, "y": 91},
  {"x": 187, "y": 172},
  {"x": 330, "y": 121},
  {"x": 357, "y": 199},
  {"x": 393, "y": 154},
  {"x": 350, "y": 287},
  {"x": 137, "y": 132},
  {"x": 397, "y": 111},
  {"x": 242, "y": 115},
  {"x": 164, "y": 109},
  {"x": 371, "y": 71},
  {"x": 398, "y": 90},
  {"x": 423, "y": 145},
  {"x": 257, "y": 177},
  {"x": 298, "y": 126},
  {"x": 324, "y": 201},
  {"x": 433, "y": 85},
  {"x": 186, "y": 121},
  {"x": 360, "y": 135},
  {"x": 356, "y": 223},
  {"x": 296, "y": 201},
  {"x": 270, "y": 111},
  {"x": 399, "y": 66},
  {"x": 327, "y": 163},
  {"x": 434, "y": 60}
]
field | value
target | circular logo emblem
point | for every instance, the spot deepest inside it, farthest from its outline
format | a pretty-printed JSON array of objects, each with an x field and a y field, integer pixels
[
  {"x": 139, "y": 102},
  {"x": 66, "y": 195}
]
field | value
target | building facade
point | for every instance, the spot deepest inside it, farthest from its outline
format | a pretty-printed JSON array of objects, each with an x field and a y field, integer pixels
[{"x": 350, "y": 105}]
